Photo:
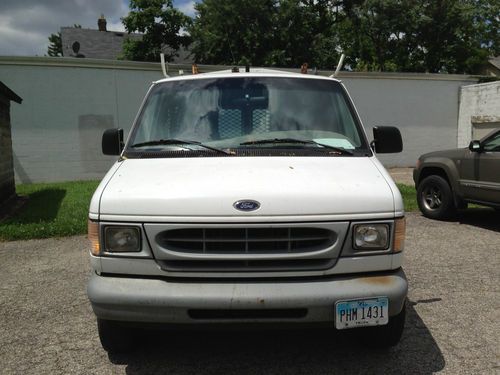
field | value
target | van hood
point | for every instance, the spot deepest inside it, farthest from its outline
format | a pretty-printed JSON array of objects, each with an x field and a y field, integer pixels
[{"x": 284, "y": 186}]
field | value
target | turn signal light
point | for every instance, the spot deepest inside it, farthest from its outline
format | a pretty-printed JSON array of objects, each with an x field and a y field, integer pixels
[
  {"x": 93, "y": 235},
  {"x": 399, "y": 234}
]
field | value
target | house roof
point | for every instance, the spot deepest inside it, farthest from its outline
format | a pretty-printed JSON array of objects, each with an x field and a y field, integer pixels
[
  {"x": 11, "y": 95},
  {"x": 108, "y": 45},
  {"x": 77, "y": 42}
]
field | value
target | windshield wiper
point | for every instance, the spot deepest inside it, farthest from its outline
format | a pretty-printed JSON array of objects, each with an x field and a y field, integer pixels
[
  {"x": 161, "y": 142},
  {"x": 298, "y": 141}
]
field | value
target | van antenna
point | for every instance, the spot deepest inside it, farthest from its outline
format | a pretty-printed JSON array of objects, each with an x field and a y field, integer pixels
[
  {"x": 339, "y": 66},
  {"x": 230, "y": 49},
  {"x": 162, "y": 61}
]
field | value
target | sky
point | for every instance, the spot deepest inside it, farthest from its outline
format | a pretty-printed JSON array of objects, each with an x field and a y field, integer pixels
[{"x": 26, "y": 24}]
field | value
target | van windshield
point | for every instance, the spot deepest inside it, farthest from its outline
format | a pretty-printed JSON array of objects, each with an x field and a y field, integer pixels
[{"x": 244, "y": 113}]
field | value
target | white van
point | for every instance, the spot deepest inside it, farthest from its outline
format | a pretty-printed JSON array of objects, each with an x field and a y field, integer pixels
[{"x": 248, "y": 197}]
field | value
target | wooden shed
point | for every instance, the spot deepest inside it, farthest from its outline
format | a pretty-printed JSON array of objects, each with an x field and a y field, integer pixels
[{"x": 7, "y": 183}]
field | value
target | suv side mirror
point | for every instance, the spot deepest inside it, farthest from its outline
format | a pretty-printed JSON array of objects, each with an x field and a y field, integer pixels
[
  {"x": 475, "y": 146},
  {"x": 112, "y": 142},
  {"x": 387, "y": 140}
]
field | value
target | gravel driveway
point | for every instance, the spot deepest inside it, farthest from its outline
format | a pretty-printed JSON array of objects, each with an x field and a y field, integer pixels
[{"x": 453, "y": 321}]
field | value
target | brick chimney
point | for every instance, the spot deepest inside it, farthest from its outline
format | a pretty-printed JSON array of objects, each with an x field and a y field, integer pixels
[{"x": 101, "y": 23}]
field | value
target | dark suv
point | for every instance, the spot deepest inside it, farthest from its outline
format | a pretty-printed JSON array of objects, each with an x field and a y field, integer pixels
[{"x": 448, "y": 180}]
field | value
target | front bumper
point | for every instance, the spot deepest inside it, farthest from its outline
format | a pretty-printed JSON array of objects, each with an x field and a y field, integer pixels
[{"x": 172, "y": 302}]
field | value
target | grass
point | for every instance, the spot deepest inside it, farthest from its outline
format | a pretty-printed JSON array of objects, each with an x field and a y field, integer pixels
[
  {"x": 61, "y": 209},
  {"x": 52, "y": 210},
  {"x": 409, "y": 197}
]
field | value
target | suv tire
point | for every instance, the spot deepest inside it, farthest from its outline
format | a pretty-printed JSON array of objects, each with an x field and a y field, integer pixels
[
  {"x": 115, "y": 338},
  {"x": 435, "y": 198}
]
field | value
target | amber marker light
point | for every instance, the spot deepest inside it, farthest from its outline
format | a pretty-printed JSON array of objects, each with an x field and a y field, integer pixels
[
  {"x": 399, "y": 234},
  {"x": 93, "y": 235}
]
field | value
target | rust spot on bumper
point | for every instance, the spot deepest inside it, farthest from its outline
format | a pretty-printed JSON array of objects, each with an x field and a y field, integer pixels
[{"x": 377, "y": 280}]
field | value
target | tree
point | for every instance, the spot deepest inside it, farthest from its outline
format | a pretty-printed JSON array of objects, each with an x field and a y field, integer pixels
[
  {"x": 304, "y": 33},
  {"x": 436, "y": 36},
  {"x": 263, "y": 32},
  {"x": 233, "y": 31},
  {"x": 162, "y": 26},
  {"x": 373, "y": 33},
  {"x": 55, "y": 46},
  {"x": 447, "y": 36},
  {"x": 458, "y": 36}
]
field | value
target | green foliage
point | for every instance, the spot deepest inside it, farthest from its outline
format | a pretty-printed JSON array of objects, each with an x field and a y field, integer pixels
[
  {"x": 409, "y": 195},
  {"x": 52, "y": 210},
  {"x": 55, "y": 46},
  {"x": 233, "y": 32},
  {"x": 447, "y": 36},
  {"x": 161, "y": 25},
  {"x": 456, "y": 35},
  {"x": 303, "y": 32},
  {"x": 262, "y": 32}
]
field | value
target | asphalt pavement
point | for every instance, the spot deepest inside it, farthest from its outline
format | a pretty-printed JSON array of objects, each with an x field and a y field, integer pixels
[
  {"x": 453, "y": 316},
  {"x": 402, "y": 175}
]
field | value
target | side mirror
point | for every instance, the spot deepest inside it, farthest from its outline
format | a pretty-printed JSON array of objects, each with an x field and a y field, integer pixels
[
  {"x": 475, "y": 146},
  {"x": 387, "y": 140},
  {"x": 112, "y": 142}
]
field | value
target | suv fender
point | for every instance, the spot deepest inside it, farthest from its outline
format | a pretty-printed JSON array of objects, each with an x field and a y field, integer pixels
[{"x": 448, "y": 170}]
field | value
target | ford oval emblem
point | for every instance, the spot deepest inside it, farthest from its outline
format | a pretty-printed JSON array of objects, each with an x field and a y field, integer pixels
[{"x": 246, "y": 205}]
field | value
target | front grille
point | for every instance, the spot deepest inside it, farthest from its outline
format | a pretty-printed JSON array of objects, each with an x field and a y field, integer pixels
[
  {"x": 277, "y": 240},
  {"x": 246, "y": 250}
]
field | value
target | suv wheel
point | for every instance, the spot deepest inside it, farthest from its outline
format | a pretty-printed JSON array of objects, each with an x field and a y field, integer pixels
[
  {"x": 383, "y": 337},
  {"x": 435, "y": 198},
  {"x": 115, "y": 338}
]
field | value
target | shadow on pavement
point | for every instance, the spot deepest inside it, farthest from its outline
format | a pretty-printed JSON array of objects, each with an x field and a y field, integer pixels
[
  {"x": 277, "y": 352},
  {"x": 485, "y": 218}
]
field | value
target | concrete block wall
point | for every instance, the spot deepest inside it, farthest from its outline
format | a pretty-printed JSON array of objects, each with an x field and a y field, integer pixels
[
  {"x": 479, "y": 104},
  {"x": 423, "y": 107},
  {"x": 67, "y": 103},
  {"x": 56, "y": 132},
  {"x": 7, "y": 185}
]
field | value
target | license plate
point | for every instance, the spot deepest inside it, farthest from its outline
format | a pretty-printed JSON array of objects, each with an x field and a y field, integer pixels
[{"x": 362, "y": 313}]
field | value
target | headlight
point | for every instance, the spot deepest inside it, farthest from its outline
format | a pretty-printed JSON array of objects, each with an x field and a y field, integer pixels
[
  {"x": 371, "y": 236},
  {"x": 122, "y": 239}
]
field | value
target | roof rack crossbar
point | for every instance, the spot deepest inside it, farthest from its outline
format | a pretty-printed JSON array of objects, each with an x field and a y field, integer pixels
[
  {"x": 339, "y": 66},
  {"x": 163, "y": 68}
]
